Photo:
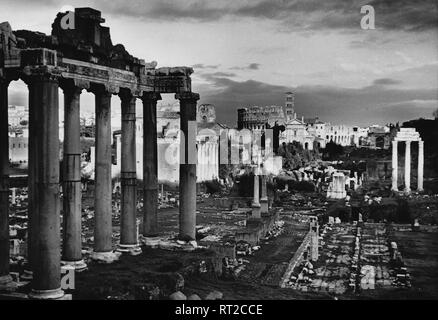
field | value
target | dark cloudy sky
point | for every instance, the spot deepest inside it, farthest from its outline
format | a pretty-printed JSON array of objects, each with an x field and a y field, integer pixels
[{"x": 249, "y": 52}]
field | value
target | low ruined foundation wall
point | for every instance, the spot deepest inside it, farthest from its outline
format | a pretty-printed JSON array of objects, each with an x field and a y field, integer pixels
[{"x": 296, "y": 259}]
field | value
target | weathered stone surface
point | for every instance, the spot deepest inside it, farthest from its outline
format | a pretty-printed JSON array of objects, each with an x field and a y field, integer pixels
[
  {"x": 194, "y": 297},
  {"x": 178, "y": 296},
  {"x": 214, "y": 295}
]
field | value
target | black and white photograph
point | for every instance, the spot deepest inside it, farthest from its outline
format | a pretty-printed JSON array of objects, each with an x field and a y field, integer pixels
[{"x": 233, "y": 152}]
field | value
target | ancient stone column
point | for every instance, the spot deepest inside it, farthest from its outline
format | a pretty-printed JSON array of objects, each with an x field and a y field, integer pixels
[
  {"x": 44, "y": 178},
  {"x": 394, "y": 165},
  {"x": 420, "y": 165},
  {"x": 408, "y": 167},
  {"x": 264, "y": 196},
  {"x": 103, "y": 249},
  {"x": 128, "y": 222},
  {"x": 72, "y": 232},
  {"x": 150, "y": 164},
  {"x": 314, "y": 239},
  {"x": 5, "y": 279},
  {"x": 187, "y": 168},
  {"x": 256, "y": 207}
]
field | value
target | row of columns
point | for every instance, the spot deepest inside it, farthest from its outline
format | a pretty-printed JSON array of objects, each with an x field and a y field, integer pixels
[
  {"x": 407, "y": 173},
  {"x": 44, "y": 249}
]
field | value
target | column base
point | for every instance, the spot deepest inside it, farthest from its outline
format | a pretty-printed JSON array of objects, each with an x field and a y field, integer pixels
[
  {"x": 256, "y": 211},
  {"x": 79, "y": 266},
  {"x": 55, "y": 294},
  {"x": 7, "y": 284},
  {"x": 131, "y": 249},
  {"x": 152, "y": 242},
  {"x": 105, "y": 257},
  {"x": 264, "y": 206},
  {"x": 27, "y": 275}
]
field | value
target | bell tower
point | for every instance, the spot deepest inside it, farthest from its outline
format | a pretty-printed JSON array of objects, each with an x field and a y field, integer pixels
[{"x": 289, "y": 106}]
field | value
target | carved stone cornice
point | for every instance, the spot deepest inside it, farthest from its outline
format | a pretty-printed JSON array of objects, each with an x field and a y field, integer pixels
[{"x": 43, "y": 73}]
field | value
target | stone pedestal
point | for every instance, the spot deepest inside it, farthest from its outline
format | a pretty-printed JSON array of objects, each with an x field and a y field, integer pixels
[
  {"x": 128, "y": 223},
  {"x": 7, "y": 284},
  {"x": 44, "y": 180},
  {"x": 72, "y": 239},
  {"x": 102, "y": 192},
  {"x": 187, "y": 168},
  {"x": 150, "y": 164},
  {"x": 336, "y": 189}
]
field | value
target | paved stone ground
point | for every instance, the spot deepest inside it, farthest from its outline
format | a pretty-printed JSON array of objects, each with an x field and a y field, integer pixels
[{"x": 340, "y": 268}]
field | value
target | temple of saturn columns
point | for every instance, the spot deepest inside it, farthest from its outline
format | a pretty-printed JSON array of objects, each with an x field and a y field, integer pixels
[
  {"x": 407, "y": 135},
  {"x": 77, "y": 59}
]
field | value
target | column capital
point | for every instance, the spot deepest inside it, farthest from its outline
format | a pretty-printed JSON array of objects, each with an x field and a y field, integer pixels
[
  {"x": 103, "y": 89},
  {"x": 188, "y": 96},
  {"x": 73, "y": 85},
  {"x": 126, "y": 95},
  {"x": 6, "y": 76},
  {"x": 154, "y": 96}
]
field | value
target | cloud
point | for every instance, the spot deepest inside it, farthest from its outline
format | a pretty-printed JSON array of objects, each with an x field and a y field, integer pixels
[
  {"x": 221, "y": 74},
  {"x": 202, "y": 66},
  {"x": 303, "y": 14},
  {"x": 251, "y": 66},
  {"x": 362, "y": 106},
  {"x": 386, "y": 82},
  {"x": 404, "y": 15}
]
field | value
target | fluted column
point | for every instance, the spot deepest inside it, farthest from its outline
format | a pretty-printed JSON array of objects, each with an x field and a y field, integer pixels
[
  {"x": 150, "y": 164},
  {"x": 44, "y": 184},
  {"x": 394, "y": 165},
  {"x": 187, "y": 170},
  {"x": 128, "y": 223},
  {"x": 72, "y": 232},
  {"x": 408, "y": 167},
  {"x": 420, "y": 165},
  {"x": 5, "y": 278},
  {"x": 103, "y": 248}
]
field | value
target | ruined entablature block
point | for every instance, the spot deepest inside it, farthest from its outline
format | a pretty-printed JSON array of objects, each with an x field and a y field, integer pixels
[{"x": 407, "y": 134}]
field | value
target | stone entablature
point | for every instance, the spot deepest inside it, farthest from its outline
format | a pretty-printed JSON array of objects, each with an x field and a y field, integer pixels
[{"x": 407, "y": 134}]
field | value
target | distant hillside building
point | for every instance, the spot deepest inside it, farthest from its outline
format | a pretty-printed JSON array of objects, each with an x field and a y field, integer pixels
[
  {"x": 379, "y": 137},
  {"x": 256, "y": 117},
  {"x": 310, "y": 133}
]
